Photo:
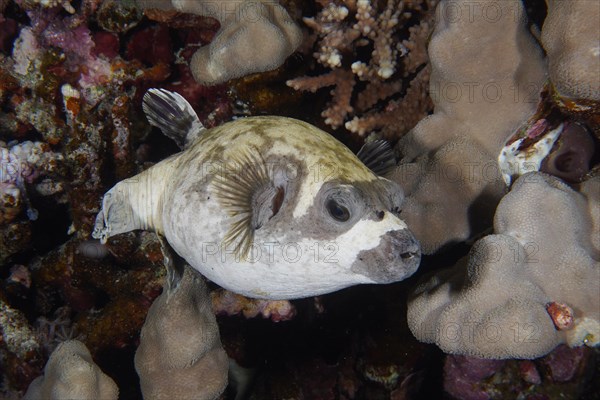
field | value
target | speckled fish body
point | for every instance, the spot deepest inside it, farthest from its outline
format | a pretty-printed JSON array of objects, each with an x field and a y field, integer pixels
[{"x": 270, "y": 207}]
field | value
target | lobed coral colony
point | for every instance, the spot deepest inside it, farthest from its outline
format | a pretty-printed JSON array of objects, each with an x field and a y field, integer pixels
[{"x": 151, "y": 247}]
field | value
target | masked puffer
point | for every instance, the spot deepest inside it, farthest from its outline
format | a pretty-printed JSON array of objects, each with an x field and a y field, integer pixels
[{"x": 268, "y": 207}]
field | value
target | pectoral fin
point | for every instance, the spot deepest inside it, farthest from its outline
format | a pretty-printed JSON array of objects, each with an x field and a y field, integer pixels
[{"x": 247, "y": 192}]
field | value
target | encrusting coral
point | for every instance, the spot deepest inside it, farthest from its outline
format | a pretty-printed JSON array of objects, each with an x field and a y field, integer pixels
[
  {"x": 72, "y": 374},
  {"x": 180, "y": 354},
  {"x": 448, "y": 165},
  {"x": 527, "y": 288},
  {"x": 395, "y": 71},
  {"x": 255, "y": 36}
]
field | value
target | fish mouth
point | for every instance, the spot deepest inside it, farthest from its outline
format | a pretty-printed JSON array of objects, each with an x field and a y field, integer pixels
[{"x": 397, "y": 257}]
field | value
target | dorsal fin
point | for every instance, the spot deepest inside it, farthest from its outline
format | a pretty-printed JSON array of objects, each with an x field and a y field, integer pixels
[
  {"x": 378, "y": 156},
  {"x": 246, "y": 190},
  {"x": 173, "y": 115}
]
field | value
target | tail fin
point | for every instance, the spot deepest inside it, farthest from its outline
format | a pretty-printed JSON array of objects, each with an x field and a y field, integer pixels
[{"x": 117, "y": 214}]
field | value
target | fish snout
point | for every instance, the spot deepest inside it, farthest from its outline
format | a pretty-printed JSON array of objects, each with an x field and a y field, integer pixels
[
  {"x": 405, "y": 247},
  {"x": 397, "y": 257}
]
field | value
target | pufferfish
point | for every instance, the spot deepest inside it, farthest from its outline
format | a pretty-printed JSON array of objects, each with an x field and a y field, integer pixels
[{"x": 268, "y": 207}]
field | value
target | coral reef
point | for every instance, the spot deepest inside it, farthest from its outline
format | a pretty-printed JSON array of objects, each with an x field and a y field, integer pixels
[
  {"x": 448, "y": 163},
  {"x": 71, "y": 374},
  {"x": 241, "y": 46},
  {"x": 69, "y": 125},
  {"x": 511, "y": 296},
  {"x": 180, "y": 354},
  {"x": 394, "y": 72},
  {"x": 72, "y": 76}
]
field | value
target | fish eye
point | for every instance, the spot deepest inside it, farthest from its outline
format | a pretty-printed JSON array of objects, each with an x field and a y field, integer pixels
[{"x": 337, "y": 211}]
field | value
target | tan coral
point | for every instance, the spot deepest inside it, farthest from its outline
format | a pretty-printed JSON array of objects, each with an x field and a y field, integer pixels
[
  {"x": 570, "y": 36},
  {"x": 71, "y": 374},
  {"x": 448, "y": 166},
  {"x": 492, "y": 304},
  {"x": 180, "y": 354},
  {"x": 255, "y": 36}
]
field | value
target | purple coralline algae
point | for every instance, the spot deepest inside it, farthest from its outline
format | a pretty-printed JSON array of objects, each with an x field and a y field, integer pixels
[{"x": 550, "y": 377}]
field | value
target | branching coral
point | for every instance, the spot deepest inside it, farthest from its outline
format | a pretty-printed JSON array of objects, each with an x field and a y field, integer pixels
[
  {"x": 346, "y": 29},
  {"x": 527, "y": 288}
]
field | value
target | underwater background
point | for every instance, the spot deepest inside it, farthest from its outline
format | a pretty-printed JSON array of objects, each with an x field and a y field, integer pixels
[{"x": 72, "y": 78}]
